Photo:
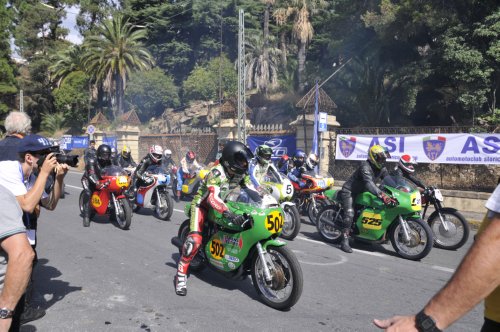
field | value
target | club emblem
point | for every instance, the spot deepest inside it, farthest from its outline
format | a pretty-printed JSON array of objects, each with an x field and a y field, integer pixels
[
  {"x": 434, "y": 146},
  {"x": 347, "y": 145}
]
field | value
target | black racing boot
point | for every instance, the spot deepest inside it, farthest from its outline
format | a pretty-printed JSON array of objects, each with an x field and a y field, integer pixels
[{"x": 344, "y": 245}]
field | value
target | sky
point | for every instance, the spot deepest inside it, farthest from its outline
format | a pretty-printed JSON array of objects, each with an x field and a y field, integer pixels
[{"x": 70, "y": 23}]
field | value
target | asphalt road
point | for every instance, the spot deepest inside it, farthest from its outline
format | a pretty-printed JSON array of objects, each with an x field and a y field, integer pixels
[{"x": 102, "y": 278}]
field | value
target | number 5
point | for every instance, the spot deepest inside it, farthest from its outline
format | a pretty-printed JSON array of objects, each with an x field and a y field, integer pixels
[{"x": 288, "y": 189}]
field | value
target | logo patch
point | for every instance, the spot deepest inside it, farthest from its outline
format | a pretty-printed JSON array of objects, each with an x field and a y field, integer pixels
[
  {"x": 347, "y": 145},
  {"x": 434, "y": 146}
]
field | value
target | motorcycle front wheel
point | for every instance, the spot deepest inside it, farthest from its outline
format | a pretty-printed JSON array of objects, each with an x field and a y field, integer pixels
[
  {"x": 124, "y": 218},
  {"x": 326, "y": 227},
  {"x": 286, "y": 286},
  {"x": 291, "y": 226},
  {"x": 167, "y": 206},
  {"x": 197, "y": 264},
  {"x": 312, "y": 212},
  {"x": 421, "y": 239},
  {"x": 457, "y": 233}
]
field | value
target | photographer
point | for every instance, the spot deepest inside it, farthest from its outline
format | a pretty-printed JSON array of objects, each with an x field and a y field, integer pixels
[{"x": 27, "y": 179}]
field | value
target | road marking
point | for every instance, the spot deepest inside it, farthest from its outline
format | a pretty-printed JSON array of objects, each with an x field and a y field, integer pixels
[
  {"x": 343, "y": 260},
  {"x": 75, "y": 172},
  {"x": 444, "y": 269},
  {"x": 68, "y": 185}
]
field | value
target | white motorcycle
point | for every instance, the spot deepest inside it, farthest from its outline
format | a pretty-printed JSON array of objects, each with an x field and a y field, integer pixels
[{"x": 155, "y": 196}]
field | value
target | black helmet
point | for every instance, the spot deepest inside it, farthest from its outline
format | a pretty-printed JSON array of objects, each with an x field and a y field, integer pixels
[
  {"x": 103, "y": 154},
  {"x": 264, "y": 154},
  {"x": 235, "y": 157}
]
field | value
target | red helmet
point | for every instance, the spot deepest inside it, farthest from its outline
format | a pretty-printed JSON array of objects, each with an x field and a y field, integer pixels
[
  {"x": 190, "y": 156},
  {"x": 406, "y": 163}
]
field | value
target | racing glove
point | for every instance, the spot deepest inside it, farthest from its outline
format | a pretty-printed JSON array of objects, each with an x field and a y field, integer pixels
[
  {"x": 148, "y": 181},
  {"x": 234, "y": 218},
  {"x": 302, "y": 184},
  {"x": 101, "y": 185},
  {"x": 389, "y": 201}
]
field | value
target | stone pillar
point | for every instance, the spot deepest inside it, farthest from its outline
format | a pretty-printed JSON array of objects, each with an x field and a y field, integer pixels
[
  {"x": 326, "y": 138},
  {"x": 128, "y": 135},
  {"x": 228, "y": 129}
]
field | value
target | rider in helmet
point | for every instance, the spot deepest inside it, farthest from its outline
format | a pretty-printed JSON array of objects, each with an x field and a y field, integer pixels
[
  {"x": 92, "y": 175},
  {"x": 363, "y": 179},
  {"x": 187, "y": 164},
  {"x": 114, "y": 156},
  {"x": 231, "y": 171},
  {"x": 302, "y": 165},
  {"x": 284, "y": 164},
  {"x": 406, "y": 169},
  {"x": 167, "y": 161},
  {"x": 125, "y": 159},
  {"x": 153, "y": 157},
  {"x": 260, "y": 165}
]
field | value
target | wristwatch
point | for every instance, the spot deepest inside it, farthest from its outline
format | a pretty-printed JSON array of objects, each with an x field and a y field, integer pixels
[
  {"x": 425, "y": 323},
  {"x": 6, "y": 313}
]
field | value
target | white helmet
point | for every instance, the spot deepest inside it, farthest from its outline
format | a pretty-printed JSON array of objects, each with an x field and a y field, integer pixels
[
  {"x": 311, "y": 161},
  {"x": 156, "y": 153},
  {"x": 167, "y": 153}
]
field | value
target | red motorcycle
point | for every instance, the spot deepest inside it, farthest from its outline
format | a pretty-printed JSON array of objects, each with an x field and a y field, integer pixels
[
  {"x": 311, "y": 199},
  {"x": 111, "y": 198}
]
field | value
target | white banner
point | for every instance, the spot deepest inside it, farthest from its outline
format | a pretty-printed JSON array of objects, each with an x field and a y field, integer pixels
[{"x": 439, "y": 148}]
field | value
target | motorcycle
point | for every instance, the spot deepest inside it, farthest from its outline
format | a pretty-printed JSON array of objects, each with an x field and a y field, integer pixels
[
  {"x": 253, "y": 249},
  {"x": 155, "y": 196},
  {"x": 410, "y": 236},
  {"x": 311, "y": 199},
  {"x": 191, "y": 181},
  {"x": 280, "y": 187},
  {"x": 450, "y": 228},
  {"x": 111, "y": 198}
]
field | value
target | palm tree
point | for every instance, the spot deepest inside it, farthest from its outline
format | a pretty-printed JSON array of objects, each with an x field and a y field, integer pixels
[
  {"x": 53, "y": 123},
  {"x": 302, "y": 29},
  {"x": 66, "y": 62},
  {"x": 113, "y": 53},
  {"x": 262, "y": 63}
]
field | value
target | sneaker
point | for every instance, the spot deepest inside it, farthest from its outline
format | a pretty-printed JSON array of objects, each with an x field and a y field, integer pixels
[
  {"x": 180, "y": 284},
  {"x": 30, "y": 314}
]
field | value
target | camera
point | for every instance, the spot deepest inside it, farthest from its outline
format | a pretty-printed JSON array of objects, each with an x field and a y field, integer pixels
[{"x": 69, "y": 159}]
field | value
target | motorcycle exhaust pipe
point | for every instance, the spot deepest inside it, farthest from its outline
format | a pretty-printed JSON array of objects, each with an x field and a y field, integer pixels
[{"x": 176, "y": 241}]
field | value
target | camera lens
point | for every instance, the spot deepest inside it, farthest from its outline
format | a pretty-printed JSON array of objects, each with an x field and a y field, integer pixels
[{"x": 70, "y": 160}]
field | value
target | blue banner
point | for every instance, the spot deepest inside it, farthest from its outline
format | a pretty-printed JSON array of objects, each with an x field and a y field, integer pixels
[
  {"x": 78, "y": 142},
  {"x": 281, "y": 145}
]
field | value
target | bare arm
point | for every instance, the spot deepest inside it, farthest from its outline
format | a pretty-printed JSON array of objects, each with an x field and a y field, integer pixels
[
  {"x": 19, "y": 267},
  {"x": 50, "y": 202}
]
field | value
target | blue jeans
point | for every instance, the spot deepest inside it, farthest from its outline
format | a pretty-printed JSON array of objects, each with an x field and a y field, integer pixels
[{"x": 180, "y": 179}]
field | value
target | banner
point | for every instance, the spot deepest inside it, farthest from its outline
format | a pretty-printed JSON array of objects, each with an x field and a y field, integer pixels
[
  {"x": 281, "y": 145},
  {"x": 480, "y": 149},
  {"x": 78, "y": 142}
]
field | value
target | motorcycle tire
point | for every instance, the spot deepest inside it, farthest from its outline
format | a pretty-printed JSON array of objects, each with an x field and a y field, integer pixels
[
  {"x": 168, "y": 206},
  {"x": 421, "y": 239},
  {"x": 458, "y": 229},
  {"x": 291, "y": 226},
  {"x": 125, "y": 220},
  {"x": 197, "y": 263},
  {"x": 320, "y": 204},
  {"x": 286, "y": 287},
  {"x": 327, "y": 231}
]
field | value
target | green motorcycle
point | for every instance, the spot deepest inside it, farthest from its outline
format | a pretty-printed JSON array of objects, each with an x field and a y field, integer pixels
[
  {"x": 410, "y": 236},
  {"x": 252, "y": 249}
]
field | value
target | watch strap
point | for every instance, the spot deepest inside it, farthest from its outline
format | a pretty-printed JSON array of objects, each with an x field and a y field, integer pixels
[
  {"x": 6, "y": 313},
  {"x": 425, "y": 323}
]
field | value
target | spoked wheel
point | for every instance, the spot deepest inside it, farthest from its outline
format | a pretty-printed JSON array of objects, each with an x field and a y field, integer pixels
[
  {"x": 287, "y": 281},
  {"x": 124, "y": 215},
  {"x": 197, "y": 264},
  {"x": 312, "y": 212},
  {"x": 420, "y": 243},
  {"x": 291, "y": 226},
  {"x": 457, "y": 232},
  {"x": 326, "y": 224},
  {"x": 167, "y": 206}
]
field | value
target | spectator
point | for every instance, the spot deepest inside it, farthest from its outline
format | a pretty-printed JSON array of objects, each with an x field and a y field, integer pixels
[
  {"x": 17, "y": 125},
  {"x": 14, "y": 245},
  {"x": 477, "y": 277},
  {"x": 19, "y": 177},
  {"x": 89, "y": 152}
]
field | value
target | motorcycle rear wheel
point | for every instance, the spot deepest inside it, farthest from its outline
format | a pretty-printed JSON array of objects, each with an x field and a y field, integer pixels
[
  {"x": 291, "y": 225},
  {"x": 329, "y": 233},
  {"x": 421, "y": 239},
  {"x": 168, "y": 206},
  {"x": 458, "y": 229},
  {"x": 123, "y": 220},
  {"x": 197, "y": 264},
  {"x": 312, "y": 213},
  {"x": 286, "y": 286}
]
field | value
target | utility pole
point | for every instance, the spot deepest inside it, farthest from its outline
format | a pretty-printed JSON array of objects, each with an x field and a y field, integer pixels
[
  {"x": 21, "y": 101},
  {"x": 242, "y": 130}
]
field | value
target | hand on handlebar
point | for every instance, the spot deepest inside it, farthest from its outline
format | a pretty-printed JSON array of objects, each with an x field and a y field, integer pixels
[
  {"x": 234, "y": 218},
  {"x": 388, "y": 201},
  {"x": 102, "y": 185}
]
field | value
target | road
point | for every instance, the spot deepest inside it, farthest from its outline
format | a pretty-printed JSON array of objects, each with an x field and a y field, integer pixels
[{"x": 102, "y": 278}]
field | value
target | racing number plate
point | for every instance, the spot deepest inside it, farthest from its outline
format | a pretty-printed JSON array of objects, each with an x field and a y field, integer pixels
[
  {"x": 321, "y": 184},
  {"x": 217, "y": 249},
  {"x": 122, "y": 181},
  {"x": 371, "y": 220},
  {"x": 96, "y": 201},
  {"x": 416, "y": 201},
  {"x": 274, "y": 222}
]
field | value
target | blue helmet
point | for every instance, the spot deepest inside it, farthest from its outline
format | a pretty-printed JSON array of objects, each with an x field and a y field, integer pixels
[{"x": 298, "y": 158}]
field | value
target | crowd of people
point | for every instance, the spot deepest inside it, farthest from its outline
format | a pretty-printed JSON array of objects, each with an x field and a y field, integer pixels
[{"x": 31, "y": 179}]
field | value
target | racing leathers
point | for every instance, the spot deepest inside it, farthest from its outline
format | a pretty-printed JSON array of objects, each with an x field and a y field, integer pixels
[
  {"x": 295, "y": 175},
  {"x": 126, "y": 162},
  {"x": 258, "y": 171},
  {"x": 185, "y": 168},
  {"x": 140, "y": 176},
  {"x": 215, "y": 184}
]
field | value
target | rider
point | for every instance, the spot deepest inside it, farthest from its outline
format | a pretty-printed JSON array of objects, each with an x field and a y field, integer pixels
[
  {"x": 167, "y": 160},
  {"x": 301, "y": 166},
  {"x": 363, "y": 179},
  {"x": 114, "y": 156},
  {"x": 153, "y": 157},
  {"x": 187, "y": 163},
  {"x": 229, "y": 173},
  {"x": 92, "y": 175},
  {"x": 284, "y": 164},
  {"x": 260, "y": 165},
  {"x": 406, "y": 168},
  {"x": 125, "y": 159}
]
